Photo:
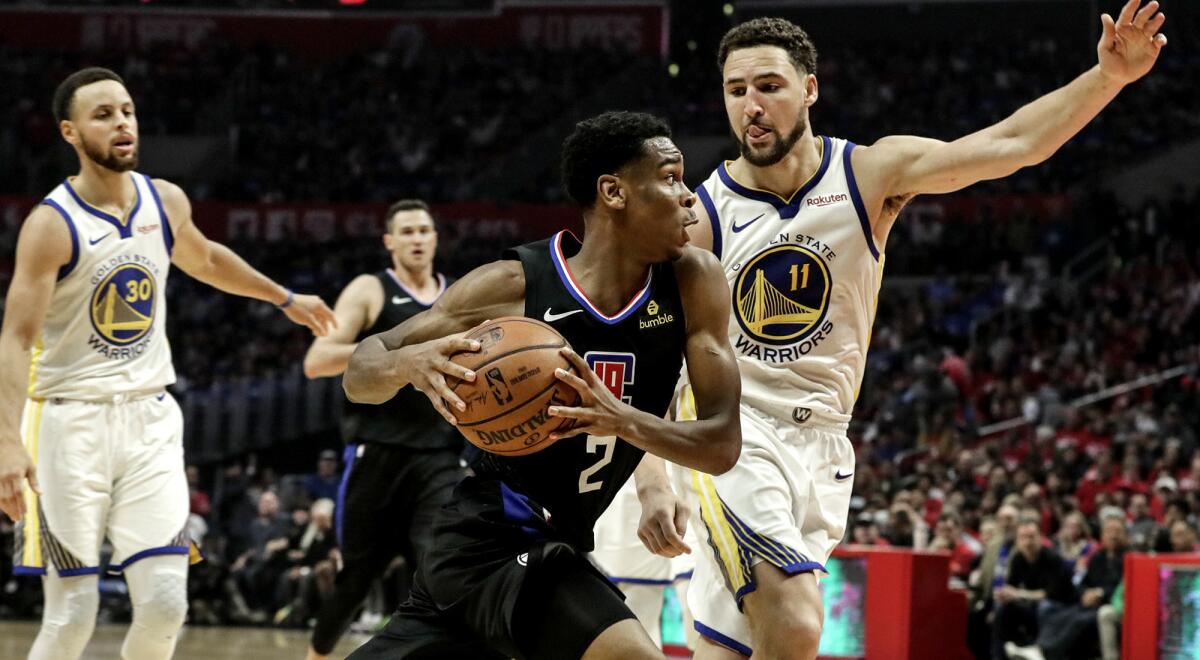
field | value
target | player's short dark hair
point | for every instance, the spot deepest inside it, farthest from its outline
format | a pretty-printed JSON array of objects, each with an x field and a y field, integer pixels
[
  {"x": 771, "y": 32},
  {"x": 405, "y": 205},
  {"x": 65, "y": 94},
  {"x": 602, "y": 145}
]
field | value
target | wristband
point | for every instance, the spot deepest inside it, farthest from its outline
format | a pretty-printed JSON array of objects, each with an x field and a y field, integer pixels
[{"x": 286, "y": 303}]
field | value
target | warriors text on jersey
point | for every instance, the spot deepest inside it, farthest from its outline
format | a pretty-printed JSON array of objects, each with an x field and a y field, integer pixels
[
  {"x": 407, "y": 419},
  {"x": 804, "y": 274},
  {"x": 637, "y": 353},
  {"x": 105, "y": 329}
]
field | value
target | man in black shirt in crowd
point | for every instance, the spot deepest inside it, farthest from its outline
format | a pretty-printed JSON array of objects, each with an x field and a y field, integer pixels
[{"x": 1037, "y": 577}]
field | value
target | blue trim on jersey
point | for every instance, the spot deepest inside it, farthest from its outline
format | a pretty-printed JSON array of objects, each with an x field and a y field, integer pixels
[
  {"x": 28, "y": 570},
  {"x": 168, "y": 235},
  {"x": 787, "y": 208},
  {"x": 124, "y": 229},
  {"x": 633, "y": 580},
  {"x": 747, "y": 589},
  {"x": 803, "y": 567},
  {"x": 706, "y": 200},
  {"x": 724, "y": 640},
  {"x": 858, "y": 202},
  {"x": 73, "y": 572},
  {"x": 686, "y": 575},
  {"x": 339, "y": 508},
  {"x": 558, "y": 257},
  {"x": 66, "y": 270},
  {"x": 152, "y": 552},
  {"x": 518, "y": 509}
]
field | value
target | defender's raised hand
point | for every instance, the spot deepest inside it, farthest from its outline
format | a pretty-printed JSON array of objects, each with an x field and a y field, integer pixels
[{"x": 1130, "y": 45}]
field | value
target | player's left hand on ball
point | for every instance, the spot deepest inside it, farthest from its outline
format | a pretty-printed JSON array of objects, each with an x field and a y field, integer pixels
[
  {"x": 663, "y": 522},
  {"x": 599, "y": 412},
  {"x": 311, "y": 312}
]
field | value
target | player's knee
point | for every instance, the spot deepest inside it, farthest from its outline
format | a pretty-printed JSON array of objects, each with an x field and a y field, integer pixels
[
  {"x": 166, "y": 608},
  {"x": 800, "y": 635}
]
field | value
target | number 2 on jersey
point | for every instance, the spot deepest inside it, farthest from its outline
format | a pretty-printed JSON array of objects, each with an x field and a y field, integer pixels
[{"x": 594, "y": 443}]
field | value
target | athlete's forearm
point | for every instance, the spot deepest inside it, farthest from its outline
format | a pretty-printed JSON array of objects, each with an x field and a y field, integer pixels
[
  {"x": 14, "y": 384},
  {"x": 230, "y": 273},
  {"x": 651, "y": 475},
  {"x": 709, "y": 445},
  {"x": 373, "y": 376},
  {"x": 327, "y": 358},
  {"x": 1044, "y": 125}
]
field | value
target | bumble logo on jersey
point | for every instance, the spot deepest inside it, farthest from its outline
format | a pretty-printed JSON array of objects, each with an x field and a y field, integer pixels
[
  {"x": 780, "y": 298},
  {"x": 122, "y": 309}
]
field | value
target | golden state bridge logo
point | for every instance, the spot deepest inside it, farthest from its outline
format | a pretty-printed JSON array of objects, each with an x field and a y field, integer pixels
[
  {"x": 123, "y": 305},
  {"x": 782, "y": 294}
]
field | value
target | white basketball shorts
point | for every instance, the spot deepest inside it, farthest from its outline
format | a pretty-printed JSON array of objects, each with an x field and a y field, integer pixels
[
  {"x": 785, "y": 502},
  {"x": 620, "y": 553},
  {"x": 112, "y": 468}
]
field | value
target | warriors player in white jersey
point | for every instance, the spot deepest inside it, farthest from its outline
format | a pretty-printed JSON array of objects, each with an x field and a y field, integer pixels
[
  {"x": 83, "y": 352},
  {"x": 800, "y": 223}
]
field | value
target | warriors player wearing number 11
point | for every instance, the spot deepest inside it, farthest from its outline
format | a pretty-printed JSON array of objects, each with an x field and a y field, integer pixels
[
  {"x": 800, "y": 223},
  {"x": 84, "y": 350},
  {"x": 510, "y": 577}
]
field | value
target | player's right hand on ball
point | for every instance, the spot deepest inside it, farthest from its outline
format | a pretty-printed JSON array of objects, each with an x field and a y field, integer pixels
[
  {"x": 15, "y": 468},
  {"x": 429, "y": 364}
]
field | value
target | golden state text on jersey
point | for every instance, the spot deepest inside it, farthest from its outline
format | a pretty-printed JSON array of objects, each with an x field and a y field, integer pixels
[
  {"x": 804, "y": 274},
  {"x": 104, "y": 331}
]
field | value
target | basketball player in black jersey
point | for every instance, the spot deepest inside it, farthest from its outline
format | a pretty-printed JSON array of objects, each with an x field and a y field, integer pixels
[
  {"x": 401, "y": 457},
  {"x": 509, "y": 577}
]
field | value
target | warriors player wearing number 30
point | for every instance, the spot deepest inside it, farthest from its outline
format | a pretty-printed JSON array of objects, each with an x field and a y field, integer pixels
[
  {"x": 800, "y": 223},
  {"x": 84, "y": 350}
]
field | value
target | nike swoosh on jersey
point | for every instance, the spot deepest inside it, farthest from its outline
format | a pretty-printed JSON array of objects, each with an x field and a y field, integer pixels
[
  {"x": 93, "y": 241},
  {"x": 397, "y": 300},
  {"x": 551, "y": 317},
  {"x": 737, "y": 228},
  {"x": 842, "y": 477}
]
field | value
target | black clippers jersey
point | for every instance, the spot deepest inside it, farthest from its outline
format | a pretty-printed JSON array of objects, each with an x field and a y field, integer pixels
[
  {"x": 637, "y": 353},
  {"x": 408, "y": 419}
]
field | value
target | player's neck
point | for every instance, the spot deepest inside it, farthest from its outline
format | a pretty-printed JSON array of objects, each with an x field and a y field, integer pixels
[
  {"x": 788, "y": 175},
  {"x": 607, "y": 270},
  {"x": 104, "y": 188},
  {"x": 420, "y": 280}
]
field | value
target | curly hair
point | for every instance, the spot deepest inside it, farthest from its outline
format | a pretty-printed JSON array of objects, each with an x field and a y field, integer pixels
[
  {"x": 771, "y": 32},
  {"x": 65, "y": 94},
  {"x": 602, "y": 145}
]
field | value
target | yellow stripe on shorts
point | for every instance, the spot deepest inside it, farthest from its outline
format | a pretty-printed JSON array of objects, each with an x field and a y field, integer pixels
[
  {"x": 719, "y": 530},
  {"x": 35, "y": 357},
  {"x": 32, "y": 550}
]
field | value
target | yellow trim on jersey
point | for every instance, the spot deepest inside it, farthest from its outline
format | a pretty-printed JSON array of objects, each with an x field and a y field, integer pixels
[
  {"x": 871, "y": 327},
  {"x": 789, "y": 198},
  {"x": 719, "y": 530},
  {"x": 32, "y": 550},
  {"x": 687, "y": 404},
  {"x": 39, "y": 350}
]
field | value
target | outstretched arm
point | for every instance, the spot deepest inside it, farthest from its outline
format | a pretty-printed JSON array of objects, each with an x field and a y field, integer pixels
[
  {"x": 418, "y": 351},
  {"x": 712, "y": 442},
  {"x": 907, "y": 165},
  {"x": 219, "y": 267}
]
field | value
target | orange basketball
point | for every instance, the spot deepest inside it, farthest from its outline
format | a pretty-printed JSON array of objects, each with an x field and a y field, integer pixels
[{"x": 514, "y": 386}]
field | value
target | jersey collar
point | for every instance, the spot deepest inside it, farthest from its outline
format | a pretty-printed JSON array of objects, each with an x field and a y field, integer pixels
[{"x": 558, "y": 256}]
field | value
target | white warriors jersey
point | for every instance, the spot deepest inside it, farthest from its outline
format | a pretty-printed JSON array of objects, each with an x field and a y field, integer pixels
[
  {"x": 105, "y": 330},
  {"x": 804, "y": 274}
]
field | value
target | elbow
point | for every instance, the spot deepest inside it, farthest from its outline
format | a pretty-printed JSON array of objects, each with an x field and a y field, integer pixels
[
  {"x": 311, "y": 369},
  {"x": 727, "y": 457}
]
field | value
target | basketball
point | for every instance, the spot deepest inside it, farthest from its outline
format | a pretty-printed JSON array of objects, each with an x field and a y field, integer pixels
[{"x": 507, "y": 405}]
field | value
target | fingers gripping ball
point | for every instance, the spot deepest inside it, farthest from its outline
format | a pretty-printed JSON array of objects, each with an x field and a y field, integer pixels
[{"x": 507, "y": 405}]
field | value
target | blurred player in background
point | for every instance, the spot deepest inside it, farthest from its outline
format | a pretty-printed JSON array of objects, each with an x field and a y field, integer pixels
[
  {"x": 85, "y": 354},
  {"x": 402, "y": 458},
  {"x": 800, "y": 223}
]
